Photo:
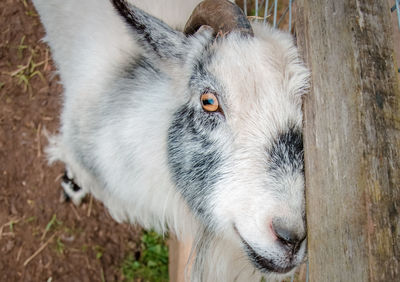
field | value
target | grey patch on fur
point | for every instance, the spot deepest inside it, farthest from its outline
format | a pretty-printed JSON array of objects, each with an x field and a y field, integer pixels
[
  {"x": 83, "y": 149},
  {"x": 201, "y": 79},
  {"x": 71, "y": 191},
  {"x": 135, "y": 75},
  {"x": 141, "y": 66},
  {"x": 70, "y": 182},
  {"x": 194, "y": 158},
  {"x": 286, "y": 155}
]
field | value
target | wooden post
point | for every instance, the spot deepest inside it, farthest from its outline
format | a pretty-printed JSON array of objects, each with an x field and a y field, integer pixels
[
  {"x": 179, "y": 253},
  {"x": 352, "y": 140}
]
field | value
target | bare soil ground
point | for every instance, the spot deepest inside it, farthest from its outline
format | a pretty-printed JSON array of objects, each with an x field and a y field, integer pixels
[{"x": 42, "y": 239}]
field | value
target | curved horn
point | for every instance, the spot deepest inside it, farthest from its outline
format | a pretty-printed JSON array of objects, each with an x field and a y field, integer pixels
[{"x": 222, "y": 15}]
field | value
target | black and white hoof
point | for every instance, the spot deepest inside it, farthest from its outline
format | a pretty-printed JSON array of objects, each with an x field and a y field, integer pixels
[{"x": 71, "y": 191}]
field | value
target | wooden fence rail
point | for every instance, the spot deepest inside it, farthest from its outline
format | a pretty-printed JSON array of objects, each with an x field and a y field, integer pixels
[{"x": 352, "y": 140}]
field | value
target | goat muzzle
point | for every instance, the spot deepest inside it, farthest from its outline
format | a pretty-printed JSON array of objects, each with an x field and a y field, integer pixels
[{"x": 222, "y": 16}]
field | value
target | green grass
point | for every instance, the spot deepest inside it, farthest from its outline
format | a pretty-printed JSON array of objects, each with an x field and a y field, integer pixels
[
  {"x": 152, "y": 265},
  {"x": 21, "y": 47},
  {"x": 11, "y": 225},
  {"x": 30, "y": 219},
  {"x": 60, "y": 247},
  {"x": 26, "y": 72},
  {"x": 99, "y": 251},
  {"x": 53, "y": 223}
]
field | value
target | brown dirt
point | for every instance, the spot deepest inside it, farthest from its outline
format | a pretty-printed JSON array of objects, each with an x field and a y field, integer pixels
[{"x": 82, "y": 245}]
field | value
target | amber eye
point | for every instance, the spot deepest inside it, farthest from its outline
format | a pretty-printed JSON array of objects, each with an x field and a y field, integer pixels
[{"x": 209, "y": 102}]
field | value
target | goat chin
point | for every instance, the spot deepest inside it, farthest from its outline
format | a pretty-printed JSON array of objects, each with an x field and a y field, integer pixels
[{"x": 135, "y": 135}]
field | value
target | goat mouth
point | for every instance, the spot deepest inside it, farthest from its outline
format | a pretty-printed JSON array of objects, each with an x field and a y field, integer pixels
[{"x": 263, "y": 264}]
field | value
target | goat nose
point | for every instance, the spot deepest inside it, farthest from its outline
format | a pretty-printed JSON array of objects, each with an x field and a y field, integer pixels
[{"x": 291, "y": 238}]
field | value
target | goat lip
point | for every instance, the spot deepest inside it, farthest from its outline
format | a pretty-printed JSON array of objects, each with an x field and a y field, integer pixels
[{"x": 263, "y": 264}]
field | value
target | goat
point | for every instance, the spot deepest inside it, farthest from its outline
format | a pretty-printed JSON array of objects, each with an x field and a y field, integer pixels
[{"x": 195, "y": 132}]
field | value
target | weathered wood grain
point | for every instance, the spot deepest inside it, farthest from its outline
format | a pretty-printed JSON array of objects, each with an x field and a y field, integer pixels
[{"x": 352, "y": 140}]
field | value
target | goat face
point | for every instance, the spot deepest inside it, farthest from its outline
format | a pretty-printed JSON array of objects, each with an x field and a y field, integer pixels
[
  {"x": 240, "y": 168},
  {"x": 235, "y": 147}
]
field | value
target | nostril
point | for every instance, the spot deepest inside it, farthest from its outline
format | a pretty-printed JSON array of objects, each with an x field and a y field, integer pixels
[
  {"x": 288, "y": 237},
  {"x": 284, "y": 235}
]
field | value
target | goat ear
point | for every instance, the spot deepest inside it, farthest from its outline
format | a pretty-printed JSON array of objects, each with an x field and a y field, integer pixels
[{"x": 151, "y": 32}]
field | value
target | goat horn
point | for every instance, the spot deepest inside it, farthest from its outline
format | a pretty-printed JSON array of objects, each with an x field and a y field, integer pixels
[{"x": 222, "y": 15}]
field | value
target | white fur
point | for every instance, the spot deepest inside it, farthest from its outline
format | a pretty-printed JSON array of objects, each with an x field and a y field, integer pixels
[{"x": 89, "y": 42}]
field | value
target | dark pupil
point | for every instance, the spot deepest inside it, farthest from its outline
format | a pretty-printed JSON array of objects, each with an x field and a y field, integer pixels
[{"x": 208, "y": 102}]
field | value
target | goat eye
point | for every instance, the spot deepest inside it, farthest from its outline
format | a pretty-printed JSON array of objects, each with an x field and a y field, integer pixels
[{"x": 209, "y": 102}]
